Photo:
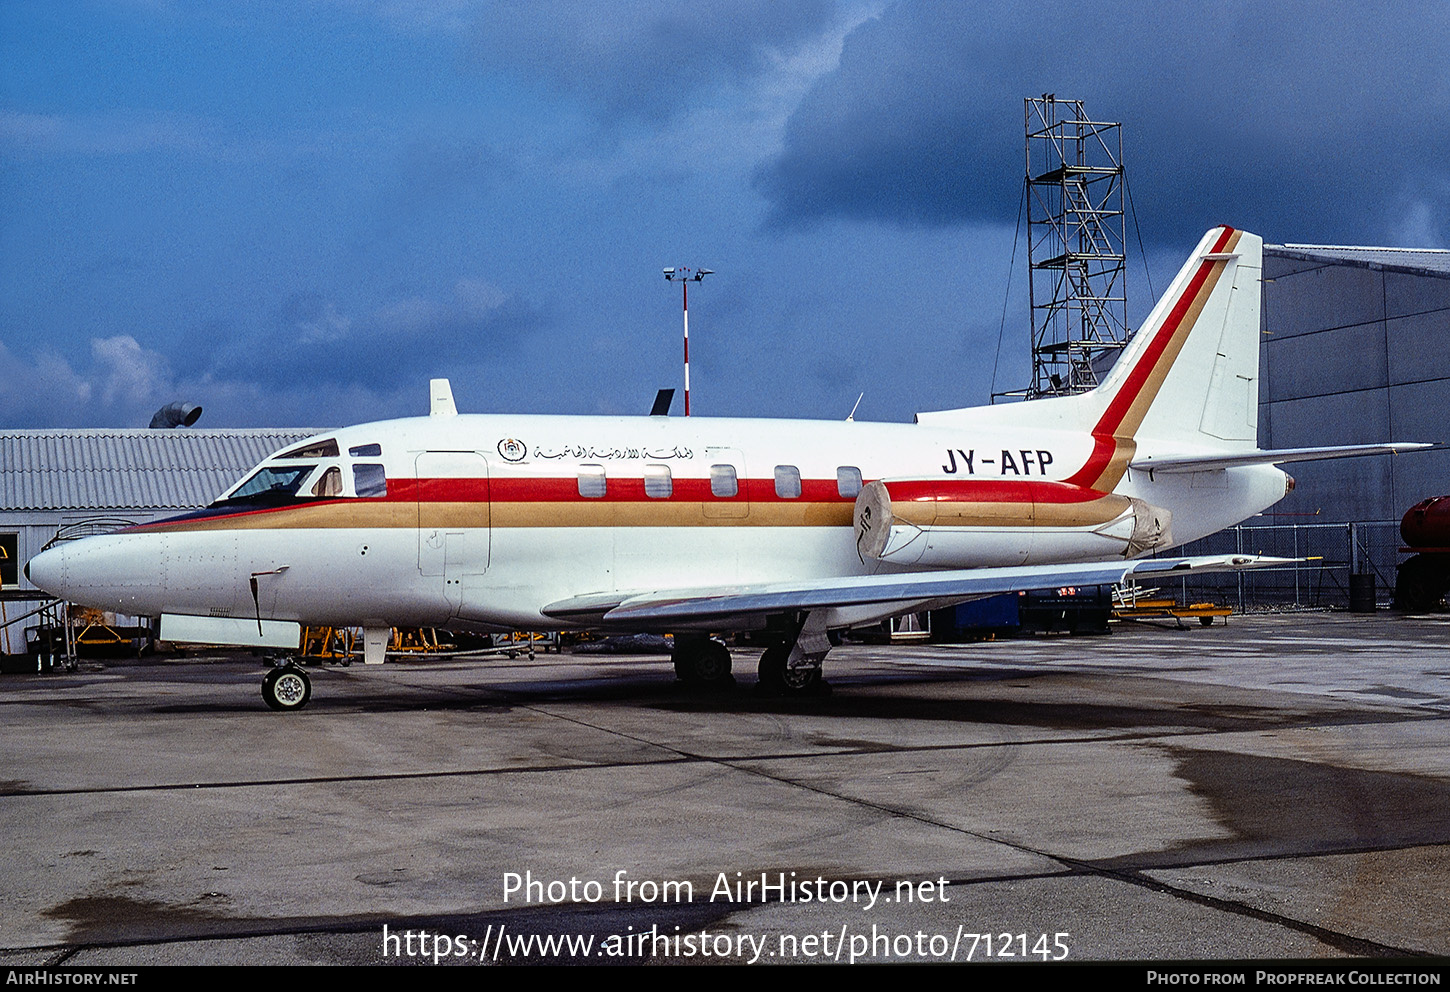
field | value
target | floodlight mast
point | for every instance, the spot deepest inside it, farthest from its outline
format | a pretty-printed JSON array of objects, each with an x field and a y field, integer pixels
[{"x": 684, "y": 277}]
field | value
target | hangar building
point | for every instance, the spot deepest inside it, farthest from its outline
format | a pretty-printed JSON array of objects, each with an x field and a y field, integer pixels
[{"x": 1356, "y": 349}]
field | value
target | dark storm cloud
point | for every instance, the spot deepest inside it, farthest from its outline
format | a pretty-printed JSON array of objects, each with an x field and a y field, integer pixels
[
  {"x": 643, "y": 59},
  {"x": 311, "y": 338},
  {"x": 1305, "y": 121}
]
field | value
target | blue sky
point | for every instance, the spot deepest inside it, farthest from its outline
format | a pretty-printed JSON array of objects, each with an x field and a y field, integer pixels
[{"x": 296, "y": 213}]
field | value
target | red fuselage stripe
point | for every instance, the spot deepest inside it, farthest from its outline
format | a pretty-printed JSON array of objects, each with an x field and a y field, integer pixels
[{"x": 631, "y": 490}]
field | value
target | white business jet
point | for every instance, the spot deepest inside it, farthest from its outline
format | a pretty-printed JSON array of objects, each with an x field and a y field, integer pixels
[{"x": 698, "y": 527}]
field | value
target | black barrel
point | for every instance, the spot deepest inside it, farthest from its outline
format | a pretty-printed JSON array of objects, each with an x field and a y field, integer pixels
[{"x": 1361, "y": 593}]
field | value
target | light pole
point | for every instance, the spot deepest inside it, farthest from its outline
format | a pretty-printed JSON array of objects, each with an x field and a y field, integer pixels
[{"x": 684, "y": 277}]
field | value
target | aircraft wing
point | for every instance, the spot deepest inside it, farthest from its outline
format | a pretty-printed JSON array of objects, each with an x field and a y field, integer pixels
[
  {"x": 882, "y": 595},
  {"x": 1278, "y": 456}
]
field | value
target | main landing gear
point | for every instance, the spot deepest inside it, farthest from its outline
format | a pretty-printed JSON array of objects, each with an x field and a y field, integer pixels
[
  {"x": 791, "y": 667},
  {"x": 778, "y": 678},
  {"x": 286, "y": 687},
  {"x": 702, "y": 661}
]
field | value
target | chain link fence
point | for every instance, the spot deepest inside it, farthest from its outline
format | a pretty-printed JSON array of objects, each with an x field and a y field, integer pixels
[{"x": 1332, "y": 553}]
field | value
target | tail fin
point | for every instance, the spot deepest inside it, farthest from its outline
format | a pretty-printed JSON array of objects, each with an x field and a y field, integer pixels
[
  {"x": 1192, "y": 371},
  {"x": 1190, "y": 374}
]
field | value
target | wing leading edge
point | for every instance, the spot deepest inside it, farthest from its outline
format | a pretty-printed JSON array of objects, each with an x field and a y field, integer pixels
[{"x": 855, "y": 598}]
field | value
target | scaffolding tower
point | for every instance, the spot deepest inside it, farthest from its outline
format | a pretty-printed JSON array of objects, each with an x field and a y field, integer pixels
[{"x": 1075, "y": 245}]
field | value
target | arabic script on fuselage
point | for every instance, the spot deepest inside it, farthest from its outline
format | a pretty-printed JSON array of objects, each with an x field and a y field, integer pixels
[{"x": 589, "y": 452}]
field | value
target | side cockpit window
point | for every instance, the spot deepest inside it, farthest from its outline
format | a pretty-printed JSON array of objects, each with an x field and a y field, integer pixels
[
  {"x": 330, "y": 484},
  {"x": 369, "y": 480},
  {"x": 366, "y": 451}
]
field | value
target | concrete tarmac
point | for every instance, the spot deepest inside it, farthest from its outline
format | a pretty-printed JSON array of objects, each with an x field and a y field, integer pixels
[{"x": 1275, "y": 788}]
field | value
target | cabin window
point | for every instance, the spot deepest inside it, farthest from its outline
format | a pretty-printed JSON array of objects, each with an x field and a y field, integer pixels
[
  {"x": 848, "y": 481},
  {"x": 591, "y": 481},
  {"x": 330, "y": 484},
  {"x": 723, "y": 482},
  {"x": 787, "y": 482},
  {"x": 317, "y": 449},
  {"x": 366, "y": 451},
  {"x": 658, "y": 484},
  {"x": 369, "y": 480}
]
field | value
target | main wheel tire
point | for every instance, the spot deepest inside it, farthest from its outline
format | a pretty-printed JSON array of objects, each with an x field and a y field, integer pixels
[
  {"x": 777, "y": 678},
  {"x": 713, "y": 664},
  {"x": 705, "y": 663},
  {"x": 286, "y": 688}
]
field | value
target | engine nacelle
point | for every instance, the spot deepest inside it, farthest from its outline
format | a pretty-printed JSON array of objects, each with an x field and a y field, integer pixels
[{"x": 950, "y": 524}]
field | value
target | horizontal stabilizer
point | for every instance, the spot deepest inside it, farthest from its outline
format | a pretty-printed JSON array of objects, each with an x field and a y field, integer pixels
[{"x": 1207, "y": 463}]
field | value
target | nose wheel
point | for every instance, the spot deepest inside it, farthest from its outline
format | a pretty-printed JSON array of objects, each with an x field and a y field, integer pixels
[{"x": 286, "y": 687}]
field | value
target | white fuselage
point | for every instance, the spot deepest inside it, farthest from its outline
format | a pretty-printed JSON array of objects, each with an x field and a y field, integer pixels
[{"x": 486, "y": 520}]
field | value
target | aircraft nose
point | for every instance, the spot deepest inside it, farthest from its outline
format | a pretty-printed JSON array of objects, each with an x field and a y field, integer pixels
[
  {"x": 46, "y": 569},
  {"x": 111, "y": 572}
]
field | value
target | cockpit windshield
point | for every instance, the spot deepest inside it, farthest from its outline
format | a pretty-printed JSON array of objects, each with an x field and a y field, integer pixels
[
  {"x": 276, "y": 480},
  {"x": 286, "y": 479}
]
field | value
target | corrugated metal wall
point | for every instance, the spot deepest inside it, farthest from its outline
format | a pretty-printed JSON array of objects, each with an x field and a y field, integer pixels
[{"x": 128, "y": 469}]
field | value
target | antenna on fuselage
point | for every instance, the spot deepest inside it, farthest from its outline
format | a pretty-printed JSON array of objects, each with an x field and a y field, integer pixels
[
  {"x": 440, "y": 399},
  {"x": 663, "y": 400},
  {"x": 852, "y": 415}
]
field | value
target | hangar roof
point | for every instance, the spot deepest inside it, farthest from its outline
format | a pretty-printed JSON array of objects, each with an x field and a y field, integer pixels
[
  {"x": 1419, "y": 261},
  {"x": 129, "y": 469}
]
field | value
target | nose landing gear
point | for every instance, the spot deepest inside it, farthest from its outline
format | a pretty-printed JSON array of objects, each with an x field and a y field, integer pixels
[{"x": 286, "y": 687}]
